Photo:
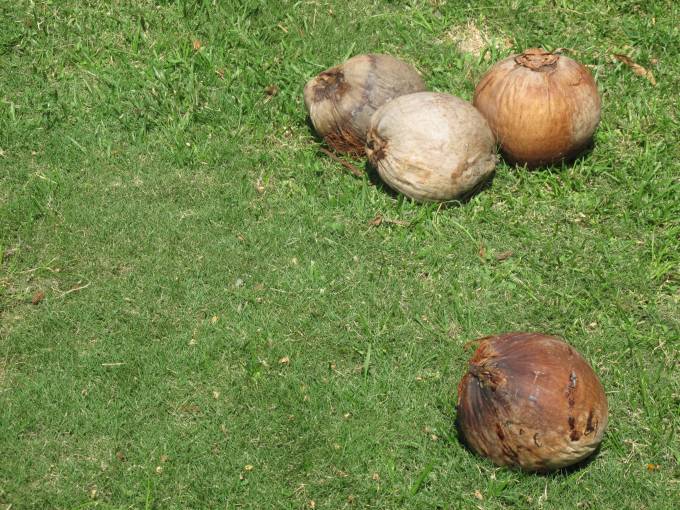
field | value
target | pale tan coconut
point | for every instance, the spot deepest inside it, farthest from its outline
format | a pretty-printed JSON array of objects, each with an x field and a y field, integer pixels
[
  {"x": 341, "y": 100},
  {"x": 431, "y": 146}
]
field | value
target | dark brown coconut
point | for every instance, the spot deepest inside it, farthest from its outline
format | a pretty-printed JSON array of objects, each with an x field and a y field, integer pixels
[
  {"x": 341, "y": 100},
  {"x": 531, "y": 401},
  {"x": 542, "y": 107}
]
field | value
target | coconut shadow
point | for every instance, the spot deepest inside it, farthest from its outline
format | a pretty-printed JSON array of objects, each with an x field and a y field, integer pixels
[
  {"x": 312, "y": 131},
  {"x": 374, "y": 178}
]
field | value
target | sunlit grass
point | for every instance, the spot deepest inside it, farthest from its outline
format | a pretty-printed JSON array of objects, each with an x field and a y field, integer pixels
[{"x": 223, "y": 326}]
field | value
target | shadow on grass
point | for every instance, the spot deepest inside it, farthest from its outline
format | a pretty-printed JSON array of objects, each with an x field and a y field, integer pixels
[
  {"x": 374, "y": 178},
  {"x": 312, "y": 131}
]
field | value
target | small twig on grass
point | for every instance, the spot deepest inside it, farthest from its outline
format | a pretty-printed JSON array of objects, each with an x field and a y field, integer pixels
[
  {"x": 378, "y": 220},
  {"x": 113, "y": 364},
  {"x": 401, "y": 223},
  {"x": 74, "y": 289},
  {"x": 349, "y": 166},
  {"x": 32, "y": 270}
]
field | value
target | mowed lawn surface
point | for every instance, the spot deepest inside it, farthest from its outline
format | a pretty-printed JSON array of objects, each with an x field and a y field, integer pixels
[{"x": 222, "y": 326}]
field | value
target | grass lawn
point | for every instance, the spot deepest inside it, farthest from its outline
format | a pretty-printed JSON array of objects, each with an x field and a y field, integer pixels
[{"x": 223, "y": 327}]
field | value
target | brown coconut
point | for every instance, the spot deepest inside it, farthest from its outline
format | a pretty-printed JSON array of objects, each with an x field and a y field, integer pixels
[
  {"x": 531, "y": 401},
  {"x": 542, "y": 107}
]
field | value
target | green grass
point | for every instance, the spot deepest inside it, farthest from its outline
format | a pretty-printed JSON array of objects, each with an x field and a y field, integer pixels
[{"x": 150, "y": 375}]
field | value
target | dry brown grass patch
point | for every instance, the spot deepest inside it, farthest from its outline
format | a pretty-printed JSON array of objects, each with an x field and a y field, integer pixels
[{"x": 473, "y": 40}]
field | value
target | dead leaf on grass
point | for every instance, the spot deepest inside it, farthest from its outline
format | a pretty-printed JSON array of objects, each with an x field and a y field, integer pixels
[
  {"x": 379, "y": 220},
  {"x": 9, "y": 253},
  {"x": 38, "y": 297},
  {"x": 270, "y": 91},
  {"x": 197, "y": 44},
  {"x": 259, "y": 185},
  {"x": 635, "y": 67},
  {"x": 504, "y": 255},
  {"x": 189, "y": 409},
  {"x": 375, "y": 222}
]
